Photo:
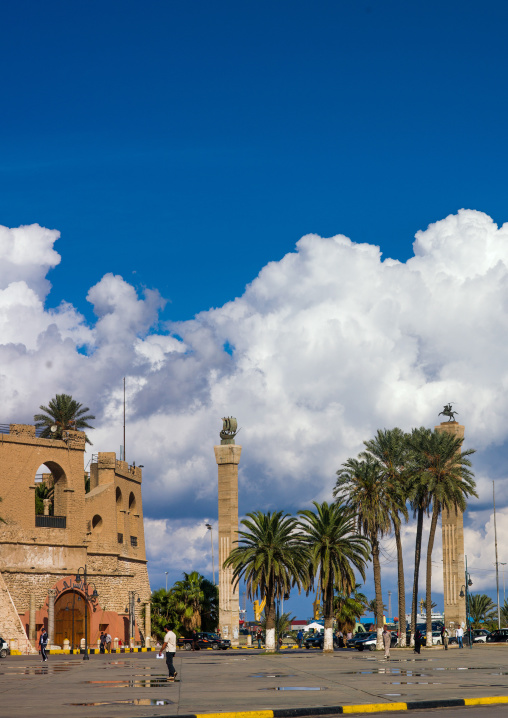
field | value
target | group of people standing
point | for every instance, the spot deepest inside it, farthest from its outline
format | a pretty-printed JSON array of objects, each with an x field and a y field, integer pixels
[{"x": 105, "y": 643}]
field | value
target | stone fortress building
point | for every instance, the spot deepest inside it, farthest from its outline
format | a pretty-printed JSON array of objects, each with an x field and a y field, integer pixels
[{"x": 41, "y": 556}]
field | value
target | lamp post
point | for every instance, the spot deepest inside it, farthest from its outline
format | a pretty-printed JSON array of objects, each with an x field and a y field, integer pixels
[
  {"x": 80, "y": 577},
  {"x": 465, "y": 588},
  {"x": 132, "y": 611},
  {"x": 209, "y": 527},
  {"x": 504, "y": 585},
  {"x": 166, "y": 572}
]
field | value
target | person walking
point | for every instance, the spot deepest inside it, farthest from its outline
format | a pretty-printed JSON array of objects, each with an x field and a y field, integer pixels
[
  {"x": 459, "y": 633},
  {"x": 444, "y": 637},
  {"x": 418, "y": 641},
  {"x": 102, "y": 642},
  {"x": 169, "y": 647},
  {"x": 387, "y": 642},
  {"x": 259, "y": 636},
  {"x": 43, "y": 642},
  {"x": 108, "y": 643},
  {"x": 299, "y": 637}
]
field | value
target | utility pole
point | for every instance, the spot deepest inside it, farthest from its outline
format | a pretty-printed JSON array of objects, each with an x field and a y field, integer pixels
[
  {"x": 210, "y": 528},
  {"x": 389, "y": 606},
  {"x": 124, "y": 420},
  {"x": 497, "y": 562}
]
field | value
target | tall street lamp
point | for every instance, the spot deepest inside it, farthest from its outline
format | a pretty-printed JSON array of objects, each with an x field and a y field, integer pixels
[
  {"x": 80, "y": 577},
  {"x": 465, "y": 588},
  {"x": 209, "y": 527},
  {"x": 132, "y": 612},
  {"x": 166, "y": 572}
]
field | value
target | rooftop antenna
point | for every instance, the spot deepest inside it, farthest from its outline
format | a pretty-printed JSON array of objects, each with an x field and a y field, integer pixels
[{"x": 124, "y": 420}]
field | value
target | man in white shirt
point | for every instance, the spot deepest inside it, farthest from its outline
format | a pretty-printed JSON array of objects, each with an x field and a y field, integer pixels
[
  {"x": 169, "y": 646},
  {"x": 460, "y": 636}
]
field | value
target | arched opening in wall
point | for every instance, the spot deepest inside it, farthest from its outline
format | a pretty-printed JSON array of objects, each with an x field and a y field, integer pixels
[
  {"x": 70, "y": 610},
  {"x": 50, "y": 498},
  {"x": 132, "y": 501},
  {"x": 97, "y": 524},
  {"x": 119, "y": 515}
]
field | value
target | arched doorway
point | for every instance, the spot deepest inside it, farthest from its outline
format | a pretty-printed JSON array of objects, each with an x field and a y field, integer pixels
[{"x": 70, "y": 619}]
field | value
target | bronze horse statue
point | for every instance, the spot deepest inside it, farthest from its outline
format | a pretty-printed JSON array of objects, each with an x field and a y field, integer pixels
[{"x": 447, "y": 411}]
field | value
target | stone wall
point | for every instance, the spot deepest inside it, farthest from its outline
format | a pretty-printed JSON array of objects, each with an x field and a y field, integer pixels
[
  {"x": 103, "y": 529},
  {"x": 11, "y": 627}
]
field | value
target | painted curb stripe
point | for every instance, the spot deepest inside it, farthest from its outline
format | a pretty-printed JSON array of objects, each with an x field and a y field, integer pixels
[
  {"x": 300, "y": 712},
  {"x": 445, "y": 703},
  {"x": 375, "y": 708},
  {"x": 485, "y": 701},
  {"x": 365, "y": 708}
]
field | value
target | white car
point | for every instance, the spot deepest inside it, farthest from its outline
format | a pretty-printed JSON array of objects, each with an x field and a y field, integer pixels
[
  {"x": 480, "y": 635},
  {"x": 436, "y": 638}
]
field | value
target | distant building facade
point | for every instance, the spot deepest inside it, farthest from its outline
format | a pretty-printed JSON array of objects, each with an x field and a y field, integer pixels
[{"x": 41, "y": 555}]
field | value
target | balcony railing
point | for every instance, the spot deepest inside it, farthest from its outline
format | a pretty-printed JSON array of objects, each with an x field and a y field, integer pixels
[{"x": 51, "y": 522}]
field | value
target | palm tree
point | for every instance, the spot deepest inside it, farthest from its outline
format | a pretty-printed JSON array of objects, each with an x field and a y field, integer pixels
[
  {"x": 419, "y": 502},
  {"x": 210, "y": 605},
  {"x": 349, "y": 608},
  {"x": 481, "y": 608},
  {"x": 372, "y": 607},
  {"x": 64, "y": 413},
  {"x": 163, "y": 609},
  {"x": 282, "y": 623},
  {"x": 336, "y": 550},
  {"x": 390, "y": 449},
  {"x": 449, "y": 482},
  {"x": 271, "y": 558},
  {"x": 360, "y": 486},
  {"x": 504, "y": 612},
  {"x": 190, "y": 598}
]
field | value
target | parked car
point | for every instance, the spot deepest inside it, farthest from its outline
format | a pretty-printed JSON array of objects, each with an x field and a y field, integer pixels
[
  {"x": 499, "y": 636},
  {"x": 350, "y": 643},
  {"x": 4, "y": 648},
  {"x": 436, "y": 638},
  {"x": 317, "y": 640},
  {"x": 480, "y": 635},
  {"x": 369, "y": 642},
  {"x": 205, "y": 640}
]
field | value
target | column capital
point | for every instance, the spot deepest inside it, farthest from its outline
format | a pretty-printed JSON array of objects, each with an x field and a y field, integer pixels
[{"x": 227, "y": 454}]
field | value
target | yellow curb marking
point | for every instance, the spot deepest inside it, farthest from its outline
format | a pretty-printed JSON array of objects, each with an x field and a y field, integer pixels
[
  {"x": 485, "y": 701},
  {"x": 375, "y": 708},
  {"x": 244, "y": 714}
]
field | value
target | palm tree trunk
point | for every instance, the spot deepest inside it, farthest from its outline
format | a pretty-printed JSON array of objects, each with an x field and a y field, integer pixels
[
  {"x": 430, "y": 546},
  {"x": 328, "y": 615},
  {"x": 418, "y": 553},
  {"x": 270, "y": 618},
  {"x": 379, "y": 594},
  {"x": 401, "y": 586}
]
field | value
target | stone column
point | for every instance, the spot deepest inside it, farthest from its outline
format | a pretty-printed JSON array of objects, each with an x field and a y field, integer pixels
[
  {"x": 32, "y": 628},
  {"x": 228, "y": 458},
  {"x": 46, "y": 503},
  {"x": 453, "y": 552},
  {"x": 148, "y": 624},
  {"x": 51, "y": 616}
]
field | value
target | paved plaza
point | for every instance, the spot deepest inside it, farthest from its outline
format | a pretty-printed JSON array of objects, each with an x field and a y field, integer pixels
[{"x": 218, "y": 681}]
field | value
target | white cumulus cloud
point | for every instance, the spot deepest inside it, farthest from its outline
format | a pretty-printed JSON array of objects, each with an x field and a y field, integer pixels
[{"x": 324, "y": 347}]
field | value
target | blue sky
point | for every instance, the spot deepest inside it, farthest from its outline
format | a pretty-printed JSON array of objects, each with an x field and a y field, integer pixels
[
  {"x": 185, "y": 146},
  {"x": 190, "y": 143}
]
